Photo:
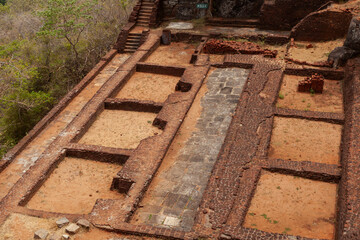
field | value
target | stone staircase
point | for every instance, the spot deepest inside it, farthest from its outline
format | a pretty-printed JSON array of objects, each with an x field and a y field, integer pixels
[
  {"x": 133, "y": 42},
  {"x": 145, "y": 12},
  {"x": 143, "y": 16}
]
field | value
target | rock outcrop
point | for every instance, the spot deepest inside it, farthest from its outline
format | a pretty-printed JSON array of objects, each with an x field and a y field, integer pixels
[
  {"x": 324, "y": 25},
  {"x": 351, "y": 47},
  {"x": 237, "y": 8},
  {"x": 285, "y": 14}
]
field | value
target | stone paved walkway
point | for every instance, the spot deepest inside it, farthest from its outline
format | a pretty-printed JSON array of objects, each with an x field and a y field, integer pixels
[{"x": 176, "y": 197}]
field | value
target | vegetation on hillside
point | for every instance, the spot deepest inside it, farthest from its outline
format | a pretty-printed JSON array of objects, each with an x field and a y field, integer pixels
[{"x": 46, "y": 47}]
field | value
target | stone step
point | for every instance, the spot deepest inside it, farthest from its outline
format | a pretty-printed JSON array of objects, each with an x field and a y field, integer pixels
[
  {"x": 147, "y": 5},
  {"x": 145, "y": 14},
  {"x": 147, "y": 18},
  {"x": 143, "y": 7},
  {"x": 131, "y": 44},
  {"x": 142, "y": 21},
  {"x": 129, "y": 51},
  {"x": 145, "y": 11},
  {"x": 133, "y": 39},
  {"x": 142, "y": 25},
  {"x": 134, "y": 35},
  {"x": 131, "y": 47}
]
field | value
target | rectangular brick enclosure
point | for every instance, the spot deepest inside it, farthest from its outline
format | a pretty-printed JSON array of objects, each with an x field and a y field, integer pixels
[{"x": 163, "y": 141}]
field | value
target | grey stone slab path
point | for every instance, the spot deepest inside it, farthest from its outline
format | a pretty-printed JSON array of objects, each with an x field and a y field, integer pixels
[{"x": 176, "y": 198}]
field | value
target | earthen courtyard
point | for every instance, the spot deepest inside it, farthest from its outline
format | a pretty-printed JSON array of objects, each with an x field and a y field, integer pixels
[{"x": 197, "y": 133}]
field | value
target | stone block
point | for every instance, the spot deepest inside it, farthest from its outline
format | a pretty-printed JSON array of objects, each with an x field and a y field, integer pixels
[
  {"x": 61, "y": 222},
  {"x": 72, "y": 228},
  {"x": 83, "y": 223},
  {"x": 41, "y": 234}
]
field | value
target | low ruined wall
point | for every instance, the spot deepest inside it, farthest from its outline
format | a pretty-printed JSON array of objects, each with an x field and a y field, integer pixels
[
  {"x": 284, "y": 14},
  {"x": 324, "y": 25},
  {"x": 348, "y": 218}
]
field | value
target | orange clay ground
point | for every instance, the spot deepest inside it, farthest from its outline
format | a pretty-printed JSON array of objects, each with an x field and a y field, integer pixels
[{"x": 293, "y": 205}]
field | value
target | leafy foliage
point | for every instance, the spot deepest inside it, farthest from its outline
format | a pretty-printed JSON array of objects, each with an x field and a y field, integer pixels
[
  {"x": 66, "y": 19},
  {"x": 46, "y": 47},
  {"x": 21, "y": 107}
]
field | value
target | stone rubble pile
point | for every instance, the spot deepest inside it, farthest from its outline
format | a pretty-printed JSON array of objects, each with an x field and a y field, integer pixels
[
  {"x": 217, "y": 46},
  {"x": 314, "y": 83},
  {"x": 65, "y": 231}
]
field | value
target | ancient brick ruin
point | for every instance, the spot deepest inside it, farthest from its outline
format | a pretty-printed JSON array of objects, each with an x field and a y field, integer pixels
[
  {"x": 314, "y": 83},
  {"x": 196, "y": 134}
]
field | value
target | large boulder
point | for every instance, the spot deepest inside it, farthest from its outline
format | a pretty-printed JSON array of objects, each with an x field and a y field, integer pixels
[
  {"x": 353, "y": 37},
  {"x": 324, "y": 25},
  {"x": 237, "y": 8},
  {"x": 351, "y": 47},
  {"x": 340, "y": 55},
  {"x": 285, "y": 14}
]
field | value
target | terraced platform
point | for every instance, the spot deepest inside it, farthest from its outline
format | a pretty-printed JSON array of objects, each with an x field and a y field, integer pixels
[{"x": 191, "y": 147}]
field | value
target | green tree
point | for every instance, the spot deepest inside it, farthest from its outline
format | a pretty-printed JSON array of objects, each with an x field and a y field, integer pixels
[
  {"x": 3, "y": 2},
  {"x": 67, "y": 19},
  {"x": 21, "y": 107}
]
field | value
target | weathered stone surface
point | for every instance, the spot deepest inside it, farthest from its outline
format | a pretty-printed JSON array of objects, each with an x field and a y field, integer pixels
[
  {"x": 351, "y": 47},
  {"x": 61, "y": 222},
  {"x": 180, "y": 25},
  {"x": 353, "y": 36},
  {"x": 340, "y": 55},
  {"x": 224, "y": 236},
  {"x": 325, "y": 25},
  {"x": 83, "y": 223},
  {"x": 72, "y": 228},
  {"x": 55, "y": 236},
  {"x": 178, "y": 196},
  {"x": 65, "y": 237},
  {"x": 237, "y": 8},
  {"x": 41, "y": 234}
]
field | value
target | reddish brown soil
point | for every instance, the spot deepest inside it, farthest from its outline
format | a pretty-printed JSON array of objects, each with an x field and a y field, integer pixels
[
  {"x": 75, "y": 185},
  {"x": 303, "y": 140},
  {"x": 147, "y": 86},
  {"x": 21, "y": 163},
  {"x": 293, "y": 205},
  {"x": 120, "y": 129},
  {"x": 331, "y": 100},
  {"x": 22, "y": 227},
  {"x": 281, "y": 49},
  {"x": 318, "y": 53},
  {"x": 176, "y": 54},
  {"x": 97, "y": 234}
]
